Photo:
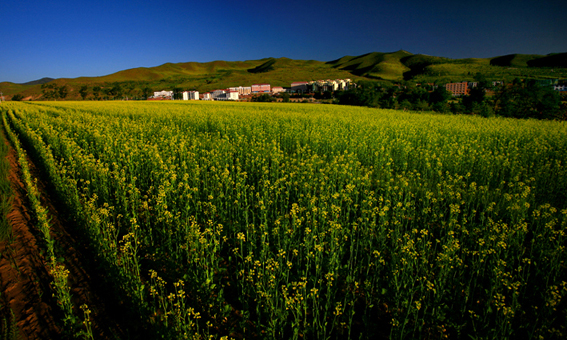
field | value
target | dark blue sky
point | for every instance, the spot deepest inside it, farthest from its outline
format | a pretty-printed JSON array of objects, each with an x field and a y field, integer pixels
[{"x": 93, "y": 38}]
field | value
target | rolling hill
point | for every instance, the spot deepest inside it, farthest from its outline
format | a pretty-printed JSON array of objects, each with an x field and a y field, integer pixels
[
  {"x": 388, "y": 66},
  {"x": 396, "y": 66}
]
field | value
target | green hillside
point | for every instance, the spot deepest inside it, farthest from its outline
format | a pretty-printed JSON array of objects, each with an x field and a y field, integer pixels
[
  {"x": 552, "y": 60},
  {"x": 514, "y": 60},
  {"x": 391, "y": 67},
  {"x": 388, "y": 66}
]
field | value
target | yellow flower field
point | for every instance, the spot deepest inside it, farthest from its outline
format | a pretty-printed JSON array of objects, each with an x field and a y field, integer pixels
[{"x": 294, "y": 221}]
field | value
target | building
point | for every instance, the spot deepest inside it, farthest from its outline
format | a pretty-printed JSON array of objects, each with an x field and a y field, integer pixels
[
  {"x": 231, "y": 95},
  {"x": 163, "y": 94},
  {"x": 242, "y": 90},
  {"x": 329, "y": 85},
  {"x": 322, "y": 85},
  {"x": 299, "y": 87},
  {"x": 277, "y": 89},
  {"x": 217, "y": 93},
  {"x": 207, "y": 96},
  {"x": 261, "y": 88},
  {"x": 458, "y": 89},
  {"x": 224, "y": 95},
  {"x": 190, "y": 95},
  {"x": 343, "y": 84}
]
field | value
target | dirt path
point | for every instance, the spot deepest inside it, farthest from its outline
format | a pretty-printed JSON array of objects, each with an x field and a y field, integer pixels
[{"x": 24, "y": 278}]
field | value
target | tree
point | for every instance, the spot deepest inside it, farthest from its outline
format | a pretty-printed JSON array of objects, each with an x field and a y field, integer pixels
[
  {"x": 49, "y": 90},
  {"x": 84, "y": 91},
  {"x": 439, "y": 95},
  {"x": 439, "y": 99},
  {"x": 527, "y": 100},
  {"x": 177, "y": 93},
  {"x": 62, "y": 92},
  {"x": 115, "y": 91},
  {"x": 262, "y": 98},
  {"x": 129, "y": 89},
  {"x": 285, "y": 97},
  {"x": 107, "y": 92},
  {"x": 17, "y": 97},
  {"x": 474, "y": 100},
  {"x": 146, "y": 92},
  {"x": 405, "y": 105},
  {"x": 96, "y": 92},
  {"x": 482, "y": 81}
]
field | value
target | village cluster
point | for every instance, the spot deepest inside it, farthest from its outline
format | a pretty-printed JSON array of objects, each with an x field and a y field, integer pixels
[
  {"x": 463, "y": 88},
  {"x": 317, "y": 86},
  {"x": 246, "y": 92}
]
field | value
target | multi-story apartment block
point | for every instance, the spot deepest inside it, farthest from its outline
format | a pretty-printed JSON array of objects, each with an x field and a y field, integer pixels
[
  {"x": 329, "y": 85},
  {"x": 343, "y": 84},
  {"x": 242, "y": 90},
  {"x": 458, "y": 89},
  {"x": 261, "y": 88},
  {"x": 190, "y": 95},
  {"x": 217, "y": 93},
  {"x": 224, "y": 95}
]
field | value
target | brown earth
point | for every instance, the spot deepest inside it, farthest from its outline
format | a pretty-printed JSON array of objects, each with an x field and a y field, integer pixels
[{"x": 24, "y": 278}]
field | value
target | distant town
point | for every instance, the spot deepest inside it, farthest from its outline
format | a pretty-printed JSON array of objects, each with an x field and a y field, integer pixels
[{"x": 246, "y": 93}]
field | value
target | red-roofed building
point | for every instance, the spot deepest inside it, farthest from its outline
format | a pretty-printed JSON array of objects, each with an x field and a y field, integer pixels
[
  {"x": 277, "y": 89},
  {"x": 261, "y": 88}
]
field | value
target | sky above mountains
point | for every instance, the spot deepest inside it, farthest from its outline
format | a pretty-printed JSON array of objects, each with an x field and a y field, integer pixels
[{"x": 70, "y": 39}]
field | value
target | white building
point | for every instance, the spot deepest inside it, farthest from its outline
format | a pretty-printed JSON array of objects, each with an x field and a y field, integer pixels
[
  {"x": 190, "y": 95},
  {"x": 232, "y": 95},
  {"x": 163, "y": 94},
  {"x": 242, "y": 90},
  {"x": 225, "y": 95}
]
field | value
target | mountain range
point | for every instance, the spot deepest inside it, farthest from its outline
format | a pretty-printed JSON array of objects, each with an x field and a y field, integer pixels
[{"x": 396, "y": 66}]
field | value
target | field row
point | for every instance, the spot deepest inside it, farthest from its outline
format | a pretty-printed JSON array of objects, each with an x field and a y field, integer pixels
[{"x": 270, "y": 221}]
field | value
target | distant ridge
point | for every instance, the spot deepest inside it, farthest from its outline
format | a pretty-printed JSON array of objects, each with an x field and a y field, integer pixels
[
  {"x": 551, "y": 60},
  {"x": 376, "y": 65},
  {"x": 39, "y": 81},
  {"x": 395, "y": 66}
]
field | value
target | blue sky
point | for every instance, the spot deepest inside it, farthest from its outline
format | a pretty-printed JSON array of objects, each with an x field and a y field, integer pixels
[{"x": 93, "y": 38}]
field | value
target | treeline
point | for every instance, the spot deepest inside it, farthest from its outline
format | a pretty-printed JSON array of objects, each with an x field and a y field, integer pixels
[
  {"x": 112, "y": 91},
  {"x": 519, "y": 99},
  {"x": 107, "y": 91},
  {"x": 52, "y": 91}
]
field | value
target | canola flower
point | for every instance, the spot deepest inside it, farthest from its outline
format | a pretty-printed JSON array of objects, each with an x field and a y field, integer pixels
[{"x": 299, "y": 221}]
